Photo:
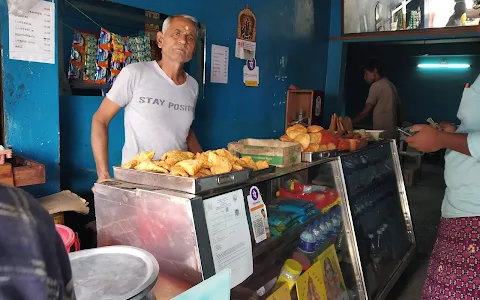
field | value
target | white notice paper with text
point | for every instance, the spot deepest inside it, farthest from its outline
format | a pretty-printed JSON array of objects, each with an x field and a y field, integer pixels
[
  {"x": 219, "y": 71},
  {"x": 229, "y": 235},
  {"x": 32, "y": 36}
]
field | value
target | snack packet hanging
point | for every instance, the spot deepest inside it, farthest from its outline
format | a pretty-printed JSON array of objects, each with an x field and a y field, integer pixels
[{"x": 83, "y": 56}]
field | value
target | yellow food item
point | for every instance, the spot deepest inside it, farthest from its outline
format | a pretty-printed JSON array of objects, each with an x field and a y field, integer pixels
[
  {"x": 323, "y": 148},
  {"x": 347, "y": 124},
  {"x": 313, "y": 148},
  {"x": 261, "y": 164},
  {"x": 221, "y": 168},
  {"x": 295, "y": 130},
  {"x": 174, "y": 156},
  {"x": 227, "y": 154},
  {"x": 219, "y": 163},
  {"x": 315, "y": 138},
  {"x": 186, "y": 164},
  {"x": 331, "y": 146},
  {"x": 203, "y": 158},
  {"x": 162, "y": 164},
  {"x": 237, "y": 167},
  {"x": 150, "y": 167},
  {"x": 304, "y": 140},
  {"x": 191, "y": 166},
  {"x": 178, "y": 171},
  {"x": 247, "y": 162},
  {"x": 145, "y": 156},
  {"x": 129, "y": 165},
  {"x": 314, "y": 128},
  {"x": 202, "y": 173},
  {"x": 333, "y": 123},
  {"x": 285, "y": 138}
]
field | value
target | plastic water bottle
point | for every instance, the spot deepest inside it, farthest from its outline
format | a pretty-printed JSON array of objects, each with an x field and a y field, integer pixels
[
  {"x": 380, "y": 242},
  {"x": 387, "y": 238},
  {"x": 374, "y": 255},
  {"x": 307, "y": 242},
  {"x": 318, "y": 235},
  {"x": 337, "y": 220}
]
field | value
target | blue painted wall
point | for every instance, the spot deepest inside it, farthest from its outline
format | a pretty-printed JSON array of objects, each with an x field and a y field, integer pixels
[
  {"x": 31, "y": 111},
  {"x": 229, "y": 112}
]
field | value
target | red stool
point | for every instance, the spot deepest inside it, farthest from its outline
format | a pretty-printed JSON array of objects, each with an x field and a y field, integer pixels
[{"x": 69, "y": 238}]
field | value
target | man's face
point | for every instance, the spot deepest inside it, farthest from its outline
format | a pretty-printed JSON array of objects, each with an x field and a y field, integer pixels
[
  {"x": 178, "y": 43},
  {"x": 369, "y": 76}
]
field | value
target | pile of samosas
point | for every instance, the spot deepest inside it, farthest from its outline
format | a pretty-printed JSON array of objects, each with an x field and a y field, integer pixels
[
  {"x": 186, "y": 164},
  {"x": 312, "y": 138}
]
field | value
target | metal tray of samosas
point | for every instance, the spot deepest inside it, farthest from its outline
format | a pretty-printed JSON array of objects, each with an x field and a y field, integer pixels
[
  {"x": 183, "y": 184},
  {"x": 315, "y": 156}
]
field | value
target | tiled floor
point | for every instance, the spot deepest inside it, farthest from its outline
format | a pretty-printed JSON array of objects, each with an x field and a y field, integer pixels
[{"x": 425, "y": 201}]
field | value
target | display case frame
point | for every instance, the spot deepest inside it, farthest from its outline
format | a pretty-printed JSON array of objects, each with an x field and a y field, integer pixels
[{"x": 153, "y": 215}]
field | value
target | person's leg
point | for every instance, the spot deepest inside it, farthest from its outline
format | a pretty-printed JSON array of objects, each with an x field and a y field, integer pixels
[{"x": 454, "y": 270}]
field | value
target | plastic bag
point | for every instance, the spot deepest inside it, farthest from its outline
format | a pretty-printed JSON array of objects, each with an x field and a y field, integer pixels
[{"x": 21, "y": 7}]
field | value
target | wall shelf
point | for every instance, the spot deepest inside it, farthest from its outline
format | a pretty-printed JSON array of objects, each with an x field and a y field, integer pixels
[{"x": 414, "y": 33}]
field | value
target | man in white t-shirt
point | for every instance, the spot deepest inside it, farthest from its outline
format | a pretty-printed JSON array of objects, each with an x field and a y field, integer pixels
[{"x": 159, "y": 98}]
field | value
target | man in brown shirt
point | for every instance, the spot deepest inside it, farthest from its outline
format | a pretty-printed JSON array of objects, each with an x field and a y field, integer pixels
[{"x": 382, "y": 99}]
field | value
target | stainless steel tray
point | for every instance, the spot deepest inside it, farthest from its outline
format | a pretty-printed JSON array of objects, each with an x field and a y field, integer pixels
[
  {"x": 113, "y": 272},
  {"x": 268, "y": 170},
  {"x": 314, "y": 156},
  {"x": 184, "y": 184}
]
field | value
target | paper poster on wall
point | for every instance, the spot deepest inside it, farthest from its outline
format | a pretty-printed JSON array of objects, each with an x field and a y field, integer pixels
[
  {"x": 251, "y": 73},
  {"x": 245, "y": 45},
  {"x": 229, "y": 235},
  {"x": 219, "y": 64},
  {"x": 245, "y": 49},
  {"x": 32, "y": 36}
]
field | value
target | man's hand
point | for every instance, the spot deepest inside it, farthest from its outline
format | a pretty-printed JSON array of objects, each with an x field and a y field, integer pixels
[
  {"x": 101, "y": 178},
  {"x": 447, "y": 127},
  {"x": 426, "y": 139}
]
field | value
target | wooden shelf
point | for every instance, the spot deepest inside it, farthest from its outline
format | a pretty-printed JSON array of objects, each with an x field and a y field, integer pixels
[{"x": 410, "y": 33}]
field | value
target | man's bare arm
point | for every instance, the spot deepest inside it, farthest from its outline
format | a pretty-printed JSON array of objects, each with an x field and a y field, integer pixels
[
  {"x": 365, "y": 112},
  {"x": 100, "y": 121},
  {"x": 192, "y": 143}
]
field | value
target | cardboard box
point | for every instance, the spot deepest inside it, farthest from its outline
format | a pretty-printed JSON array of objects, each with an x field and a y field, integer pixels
[
  {"x": 59, "y": 203},
  {"x": 27, "y": 172},
  {"x": 278, "y": 153},
  {"x": 6, "y": 174}
]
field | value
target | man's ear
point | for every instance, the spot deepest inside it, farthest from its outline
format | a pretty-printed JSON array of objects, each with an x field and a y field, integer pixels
[{"x": 159, "y": 39}]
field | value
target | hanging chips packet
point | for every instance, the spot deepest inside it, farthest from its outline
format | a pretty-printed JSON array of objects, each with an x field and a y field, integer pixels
[{"x": 83, "y": 56}]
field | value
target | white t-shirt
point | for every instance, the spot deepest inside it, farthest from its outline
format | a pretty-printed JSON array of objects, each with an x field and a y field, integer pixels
[{"x": 158, "y": 113}]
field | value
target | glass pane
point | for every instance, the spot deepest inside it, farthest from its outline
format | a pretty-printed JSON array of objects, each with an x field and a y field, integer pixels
[
  {"x": 317, "y": 186},
  {"x": 378, "y": 218},
  {"x": 391, "y": 15}
]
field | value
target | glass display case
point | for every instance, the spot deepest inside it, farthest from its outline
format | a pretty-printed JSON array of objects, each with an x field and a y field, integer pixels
[
  {"x": 380, "y": 214},
  {"x": 309, "y": 206}
]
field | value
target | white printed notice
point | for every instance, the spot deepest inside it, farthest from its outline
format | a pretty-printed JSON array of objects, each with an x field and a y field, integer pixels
[
  {"x": 229, "y": 235},
  {"x": 219, "y": 71},
  {"x": 245, "y": 49},
  {"x": 32, "y": 36}
]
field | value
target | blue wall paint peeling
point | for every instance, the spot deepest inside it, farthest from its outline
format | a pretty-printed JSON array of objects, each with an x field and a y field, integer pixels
[
  {"x": 31, "y": 111},
  {"x": 228, "y": 112}
]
